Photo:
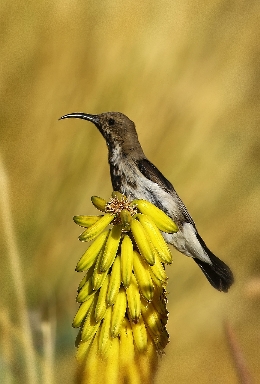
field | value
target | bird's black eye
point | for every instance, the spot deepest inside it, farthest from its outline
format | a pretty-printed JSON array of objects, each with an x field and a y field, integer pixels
[{"x": 111, "y": 121}]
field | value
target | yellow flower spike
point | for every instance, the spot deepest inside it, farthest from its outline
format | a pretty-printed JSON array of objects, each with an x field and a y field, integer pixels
[
  {"x": 101, "y": 305},
  {"x": 127, "y": 257},
  {"x": 156, "y": 238},
  {"x": 133, "y": 300},
  {"x": 92, "y": 232},
  {"x": 122, "y": 328},
  {"x": 111, "y": 248},
  {"x": 86, "y": 221},
  {"x": 114, "y": 282},
  {"x": 143, "y": 277},
  {"x": 162, "y": 221},
  {"x": 91, "y": 254},
  {"x": 82, "y": 312},
  {"x": 99, "y": 203},
  {"x": 104, "y": 338},
  {"x": 118, "y": 313},
  {"x": 142, "y": 241}
]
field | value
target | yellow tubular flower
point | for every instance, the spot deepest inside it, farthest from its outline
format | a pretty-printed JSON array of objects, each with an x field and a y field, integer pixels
[
  {"x": 156, "y": 238},
  {"x": 118, "y": 314},
  {"x": 142, "y": 242},
  {"x": 158, "y": 270},
  {"x": 111, "y": 248},
  {"x": 140, "y": 334},
  {"x": 91, "y": 254},
  {"x": 115, "y": 282},
  {"x": 122, "y": 315},
  {"x": 95, "y": 229},
  {"x": 142, "y": 273},
  {"x": 97, "y": 276},
  {"x": 82, "y": 312},
  {"x": 99, "y": 203},
  {"x": 163, "y": 222},
  {"x": 127, "y": 257},
  {"x": 101, "y": 305},
  {"x": 86, "y": 221},
  {"x": 105, "y": 338},
  {"x": 133, "y": 300},
  {"x": 90, "y": 325}
]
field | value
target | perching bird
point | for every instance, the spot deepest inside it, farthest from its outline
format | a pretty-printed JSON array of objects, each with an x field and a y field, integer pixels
[{"x": 136, "y": 177}]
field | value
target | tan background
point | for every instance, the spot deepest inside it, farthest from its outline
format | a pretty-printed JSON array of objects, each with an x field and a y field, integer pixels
[{"x": 187, "y": 72}]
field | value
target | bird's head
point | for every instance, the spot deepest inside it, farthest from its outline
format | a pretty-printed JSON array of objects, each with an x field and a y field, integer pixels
[{"x": 116, "y": 128}]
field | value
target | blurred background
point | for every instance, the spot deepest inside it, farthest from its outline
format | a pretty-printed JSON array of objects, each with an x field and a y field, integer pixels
[{"x": 187, "y": 73}]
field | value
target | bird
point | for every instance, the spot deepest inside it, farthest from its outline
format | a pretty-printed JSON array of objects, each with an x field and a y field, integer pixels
[{"x": 133, "y": 175}]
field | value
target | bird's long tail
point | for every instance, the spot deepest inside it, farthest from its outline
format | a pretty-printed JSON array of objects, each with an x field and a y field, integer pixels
[{"x": 218, "y": 273}]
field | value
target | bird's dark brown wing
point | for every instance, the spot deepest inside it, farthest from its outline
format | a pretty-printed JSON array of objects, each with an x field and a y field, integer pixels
[{"x": 153, "y": 174}]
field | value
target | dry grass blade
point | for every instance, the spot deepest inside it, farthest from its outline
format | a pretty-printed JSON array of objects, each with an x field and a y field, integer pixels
[
  {"x": 48, "y": 330},
  {"x": 16, "y": 271},
  {"x": 240, "y": 364}
]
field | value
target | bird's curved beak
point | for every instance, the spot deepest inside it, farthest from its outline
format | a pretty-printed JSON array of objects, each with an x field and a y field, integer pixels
[{"x": 85, "y": 116}]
